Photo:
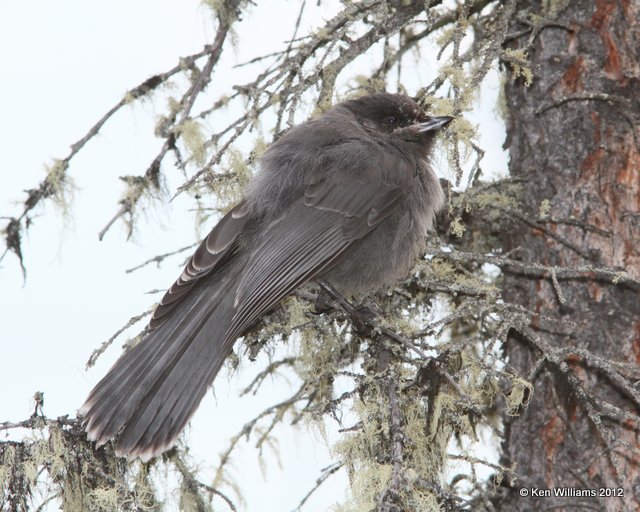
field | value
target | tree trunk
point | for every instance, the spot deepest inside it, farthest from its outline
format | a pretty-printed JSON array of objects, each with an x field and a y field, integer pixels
[{"x": 573, "y": 141}]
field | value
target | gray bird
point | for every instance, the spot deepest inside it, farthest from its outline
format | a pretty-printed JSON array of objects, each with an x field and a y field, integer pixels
[{"x": 346, "y": 198}]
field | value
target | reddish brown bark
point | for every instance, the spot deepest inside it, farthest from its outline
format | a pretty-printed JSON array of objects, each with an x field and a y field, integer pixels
[{"x": 571, "y": 138}]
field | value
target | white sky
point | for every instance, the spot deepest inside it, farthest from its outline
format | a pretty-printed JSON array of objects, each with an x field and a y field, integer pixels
[{"x": 64, "y": 64}]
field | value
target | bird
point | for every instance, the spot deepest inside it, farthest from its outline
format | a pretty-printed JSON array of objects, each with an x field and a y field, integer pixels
[{"x": 346, "y": 198}]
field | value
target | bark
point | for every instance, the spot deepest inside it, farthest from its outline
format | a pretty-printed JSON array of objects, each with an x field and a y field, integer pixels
[{"x": 573, "y": 139}]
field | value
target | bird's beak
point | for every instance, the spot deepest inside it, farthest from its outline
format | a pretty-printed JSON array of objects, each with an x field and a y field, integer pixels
[{"x": 434, "y": 123}]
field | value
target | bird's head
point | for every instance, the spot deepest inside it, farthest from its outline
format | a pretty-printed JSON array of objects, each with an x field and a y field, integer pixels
[{"x": 388, "y": 113}]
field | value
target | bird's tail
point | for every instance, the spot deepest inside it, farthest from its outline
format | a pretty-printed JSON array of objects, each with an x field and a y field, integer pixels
[{"x": 154, "y": 388}]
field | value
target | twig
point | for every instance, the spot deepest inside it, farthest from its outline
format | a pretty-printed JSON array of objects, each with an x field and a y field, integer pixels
[
  {"x": 192, "y": 481},
  {"x": 326, "y": 473},
  {"x": 105, "y": 344},
  {"x": 161, "y": 257}
]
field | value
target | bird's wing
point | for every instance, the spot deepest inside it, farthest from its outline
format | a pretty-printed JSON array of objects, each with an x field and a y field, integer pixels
[
  {"x": 210, "y": 255},
  {"x": 306, "y": 240}
]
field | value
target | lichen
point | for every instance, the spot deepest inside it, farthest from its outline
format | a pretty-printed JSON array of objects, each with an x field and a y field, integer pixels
[
  {"x": 518, "y": 396},
  {"x": 190, "y": 131},
  {"x": 520, "y": 65},
  {"x": 545, "y": 208},
  {"x": 457, "y": 227}
]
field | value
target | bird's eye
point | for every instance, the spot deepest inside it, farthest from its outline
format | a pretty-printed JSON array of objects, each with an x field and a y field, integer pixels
[{"x": 392, "y": 120}]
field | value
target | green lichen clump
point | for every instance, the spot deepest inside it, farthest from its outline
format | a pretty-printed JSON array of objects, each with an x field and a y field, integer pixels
[
  {"x": 520, "y": 65},
  {"x": 58, "y": 459},
  {"x": 59, "y": 185},
  {"x": 426, "y": 429},
  {"x": 190, "y": 132},
  {"x": 519, "y": 396}
]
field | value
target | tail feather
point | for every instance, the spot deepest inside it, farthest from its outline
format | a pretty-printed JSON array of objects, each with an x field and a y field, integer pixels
[
  {"x": 130, "y": 378},
  {"x": 166, "y": 409},
  {"x": 152, "y": 391},
  {"x": 117, "y": 396}
]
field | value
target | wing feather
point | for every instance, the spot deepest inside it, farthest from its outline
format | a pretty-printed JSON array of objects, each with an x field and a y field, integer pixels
[
  {"x": 210, "y": 255},
  {"x": 305, "y": 241}
]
